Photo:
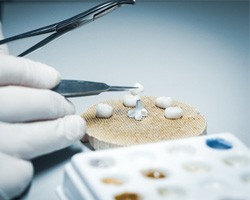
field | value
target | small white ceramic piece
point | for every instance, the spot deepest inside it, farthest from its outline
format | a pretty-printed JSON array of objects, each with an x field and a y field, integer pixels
[
  {"x": 104, "y": 110},
  {"x": 173, "y": 113},
  {"x": 164, "y": 102},
  {"x": 138, "y": 112},
  {"x": 138, "y": 90},
  {"x": 129, "y": 100}
]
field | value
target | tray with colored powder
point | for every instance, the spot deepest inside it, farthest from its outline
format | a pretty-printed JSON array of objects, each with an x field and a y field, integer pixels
[{"x": 211, "y": 167}]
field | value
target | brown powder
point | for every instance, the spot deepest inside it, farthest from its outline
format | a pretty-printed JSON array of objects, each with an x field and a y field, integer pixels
[
  {"x": 127, "y": 196},
  {"x": 112, "y": 181},
  {"x": 154, "y": 174}
]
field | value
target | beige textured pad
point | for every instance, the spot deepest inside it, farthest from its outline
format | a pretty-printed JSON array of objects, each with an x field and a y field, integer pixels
[{"x": 120, "y": 130}]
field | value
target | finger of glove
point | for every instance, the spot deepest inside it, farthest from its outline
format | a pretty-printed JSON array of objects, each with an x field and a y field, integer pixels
[
  {"x": 25, "y": 72},
  {"x": 3, "y": 47},
  {"x": 19, "y": 104},
  {"x": 29, "y": 140},
  {"x": 15, "y": 176}
]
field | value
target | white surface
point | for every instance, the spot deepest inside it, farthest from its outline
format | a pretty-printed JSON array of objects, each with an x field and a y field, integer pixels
[
  {"x": 217, "y": 172},
  {"x": 196, "y": 52}
]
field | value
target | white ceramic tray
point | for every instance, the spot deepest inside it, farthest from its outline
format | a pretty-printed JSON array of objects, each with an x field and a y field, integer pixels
[{"x": 206, "y": 167}]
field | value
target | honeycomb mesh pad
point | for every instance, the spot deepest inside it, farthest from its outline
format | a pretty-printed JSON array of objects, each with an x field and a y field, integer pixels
[{"x": 120, "y": 130}]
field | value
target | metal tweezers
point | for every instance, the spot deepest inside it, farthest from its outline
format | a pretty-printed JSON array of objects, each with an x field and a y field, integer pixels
[
  {"x": 67, "y": 25},
  {"x": 73, "y": 88}
]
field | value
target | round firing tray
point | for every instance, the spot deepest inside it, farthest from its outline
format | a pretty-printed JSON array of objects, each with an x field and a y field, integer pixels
[{"x": 120, "y": 130}]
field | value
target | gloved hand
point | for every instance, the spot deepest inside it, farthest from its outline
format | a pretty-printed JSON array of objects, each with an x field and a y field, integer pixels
[{"x": 33, "y": 119}]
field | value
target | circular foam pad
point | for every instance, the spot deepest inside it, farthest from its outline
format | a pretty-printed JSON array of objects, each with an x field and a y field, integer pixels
[{"x": 120, "y": 130}]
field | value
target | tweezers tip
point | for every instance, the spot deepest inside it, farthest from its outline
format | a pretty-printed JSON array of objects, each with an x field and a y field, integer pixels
[{"x": 121, "y": 88}]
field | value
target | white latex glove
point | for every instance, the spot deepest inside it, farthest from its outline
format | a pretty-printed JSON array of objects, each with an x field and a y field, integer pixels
[{"x": 33, "y": 120}]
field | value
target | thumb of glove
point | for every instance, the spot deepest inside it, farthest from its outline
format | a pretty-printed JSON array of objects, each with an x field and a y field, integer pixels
[{"x": 15, "y": 176}]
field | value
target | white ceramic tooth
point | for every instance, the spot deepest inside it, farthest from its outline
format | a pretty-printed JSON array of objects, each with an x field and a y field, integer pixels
[
  {"x": 164, "y": 102},
  {"x": 104, "y": 110},
  {"x": 129, "y": 100},
  {"x": 138, "y": 90},
  {"x": 173, "y": 113}
]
